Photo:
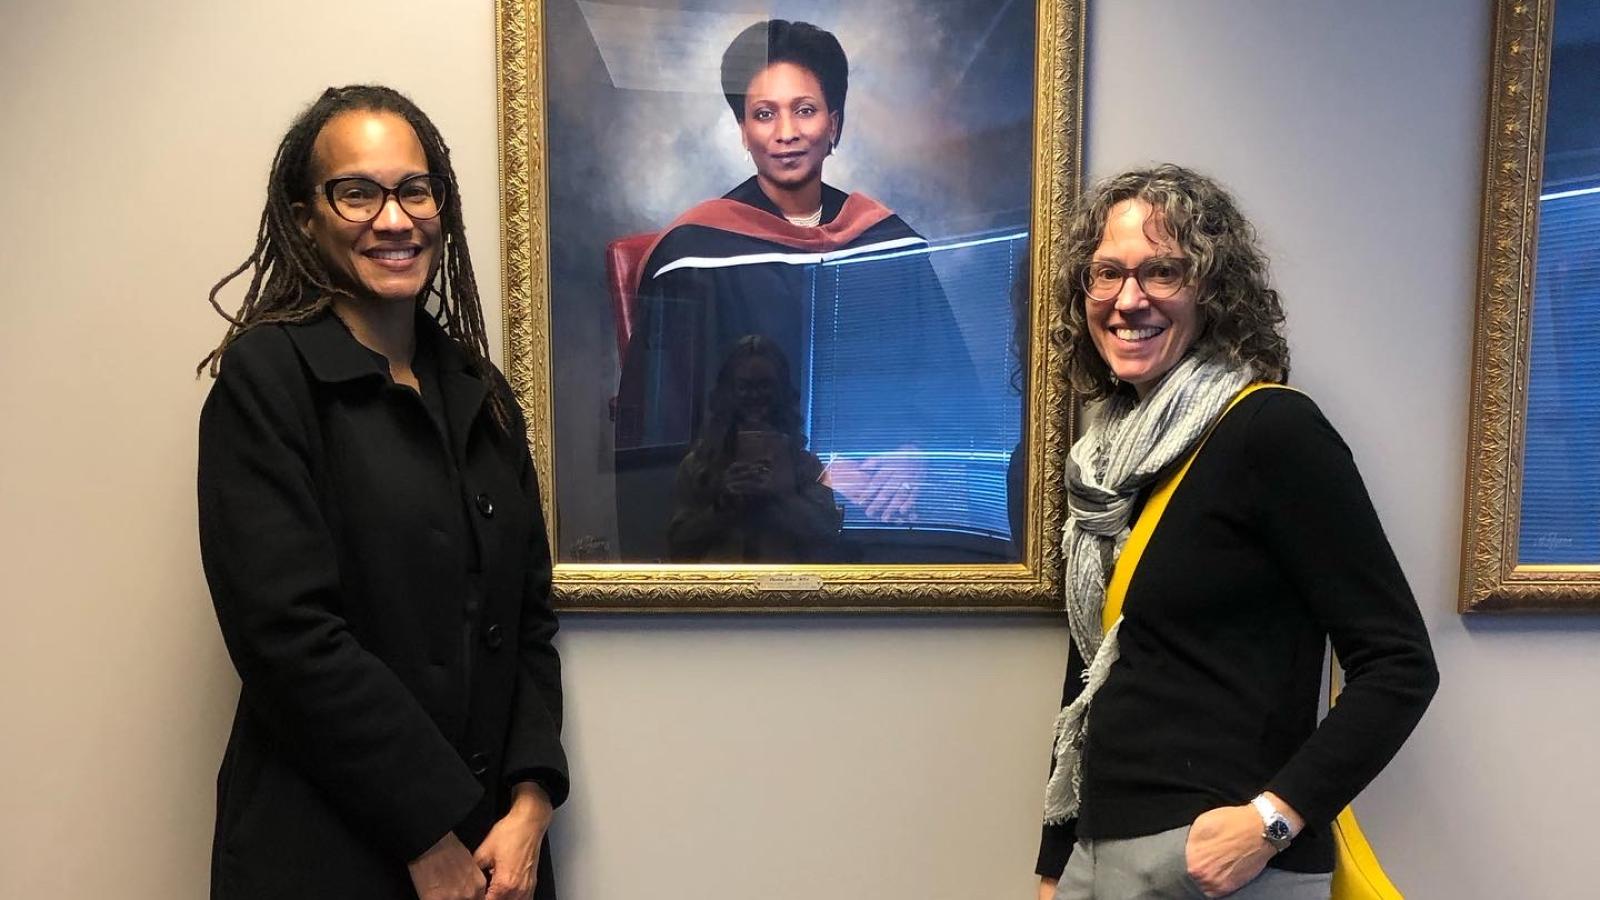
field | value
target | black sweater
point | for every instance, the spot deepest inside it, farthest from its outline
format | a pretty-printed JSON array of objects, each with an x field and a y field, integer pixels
[{"x": 1269, "y": 547}]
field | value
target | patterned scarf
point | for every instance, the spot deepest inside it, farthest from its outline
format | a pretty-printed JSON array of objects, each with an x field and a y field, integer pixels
[{"x": 1127, "y": 443}]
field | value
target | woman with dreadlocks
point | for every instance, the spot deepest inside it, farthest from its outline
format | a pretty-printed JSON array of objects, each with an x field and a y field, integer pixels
[{"x": 371, "y": 533}]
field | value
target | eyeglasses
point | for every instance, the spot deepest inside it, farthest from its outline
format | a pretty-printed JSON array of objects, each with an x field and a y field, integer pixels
[
  {"x": 1159, "y": 278},
  {"x": 358, "y": 199}
]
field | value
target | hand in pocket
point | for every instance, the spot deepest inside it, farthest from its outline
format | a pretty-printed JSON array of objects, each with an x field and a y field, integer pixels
[{"x": 1225, "y": 850}]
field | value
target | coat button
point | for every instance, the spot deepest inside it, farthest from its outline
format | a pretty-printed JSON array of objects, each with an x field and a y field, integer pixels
[
  {"x": 479, "y": 763},
  {"x": 485, "y": 506},
  {"x": 494, "y": 636}
]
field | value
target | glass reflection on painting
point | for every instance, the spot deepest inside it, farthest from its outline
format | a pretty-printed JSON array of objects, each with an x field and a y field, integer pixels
[
  {"x": 1561, "y": 464},
  {"x": 782, "y": 383}
]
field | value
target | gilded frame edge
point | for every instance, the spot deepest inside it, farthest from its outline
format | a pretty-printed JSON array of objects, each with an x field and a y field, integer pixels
[
  {"x": 1491, "y": 579},
  {"x": 1030, "y": 586}
]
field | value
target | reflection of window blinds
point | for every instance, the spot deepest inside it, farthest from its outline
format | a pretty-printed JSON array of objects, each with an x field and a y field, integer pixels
[
  {"x": 1561, "y": 461},
  {"x": 911, "y": 367}
]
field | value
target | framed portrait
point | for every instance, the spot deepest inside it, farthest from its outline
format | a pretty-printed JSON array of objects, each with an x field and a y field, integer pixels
[
  {"x": 778, "y": 297},
  {"x": 1532, "y": 532}
]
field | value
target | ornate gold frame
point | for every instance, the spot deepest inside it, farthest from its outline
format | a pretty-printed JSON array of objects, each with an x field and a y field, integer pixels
[
  {"x": 1033, "y": 584},
  {"x": 1491, "y": 579}
]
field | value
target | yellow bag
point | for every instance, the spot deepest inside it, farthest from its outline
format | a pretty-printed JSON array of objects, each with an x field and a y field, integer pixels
[{"x": 1357, "y": 875}]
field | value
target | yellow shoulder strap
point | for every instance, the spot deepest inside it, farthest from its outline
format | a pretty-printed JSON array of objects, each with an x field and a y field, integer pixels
[
  {"x": 1122, "y": 572},
  {"x": 1357, "y": 874}
]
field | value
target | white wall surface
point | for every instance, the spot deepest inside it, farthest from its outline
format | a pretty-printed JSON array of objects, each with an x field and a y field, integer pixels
[{"x": 791, "y": 759}]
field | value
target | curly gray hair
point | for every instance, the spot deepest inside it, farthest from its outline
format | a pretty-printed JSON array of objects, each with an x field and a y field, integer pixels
[{"x": 1241, "y": 316}]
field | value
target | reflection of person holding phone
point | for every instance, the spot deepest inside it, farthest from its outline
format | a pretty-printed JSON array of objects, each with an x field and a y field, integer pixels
[
  {"x": 747, "y": 263},
  {"x": 749, "y": 491}
]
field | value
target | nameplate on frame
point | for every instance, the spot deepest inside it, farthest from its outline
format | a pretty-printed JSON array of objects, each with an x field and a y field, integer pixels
[{"x": 789, "y": 582}]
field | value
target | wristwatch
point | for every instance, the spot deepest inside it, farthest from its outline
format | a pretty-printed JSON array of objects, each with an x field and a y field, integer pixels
[{"x": 1274, "y": 827}]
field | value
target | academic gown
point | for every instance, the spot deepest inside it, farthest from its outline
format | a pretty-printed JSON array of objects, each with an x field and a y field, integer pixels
[{"x": 733, "y": 267}]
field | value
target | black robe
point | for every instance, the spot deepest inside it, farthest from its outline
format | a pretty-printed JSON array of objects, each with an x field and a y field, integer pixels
[
  {"x": 381, "y": 575},
  {"x": 734, "y": 267}
]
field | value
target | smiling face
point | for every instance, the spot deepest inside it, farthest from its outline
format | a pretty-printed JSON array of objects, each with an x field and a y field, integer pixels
[
  {"x": 787, "y": 127},
  {"x": 1140, "y": 338},
  {"x": 393, "y": 257}
]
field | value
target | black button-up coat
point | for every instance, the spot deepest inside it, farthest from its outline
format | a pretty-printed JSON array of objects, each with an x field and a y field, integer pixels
[{"x": 397, "y": 679}]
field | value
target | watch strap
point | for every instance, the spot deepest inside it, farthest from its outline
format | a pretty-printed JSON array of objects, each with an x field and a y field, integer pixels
[{"x": 1275, "y": 828}]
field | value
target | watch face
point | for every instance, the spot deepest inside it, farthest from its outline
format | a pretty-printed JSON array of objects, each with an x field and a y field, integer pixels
[{"x": 1278, "y": 830}]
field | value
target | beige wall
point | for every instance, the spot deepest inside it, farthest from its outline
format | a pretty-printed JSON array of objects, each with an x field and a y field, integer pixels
[{"x": 837, "y": 758}]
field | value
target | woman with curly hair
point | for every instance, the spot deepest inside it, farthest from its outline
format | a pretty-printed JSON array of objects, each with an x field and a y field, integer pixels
[
  {"x": 371, "y": 533},
  {"x": 1188, "y": 759}
]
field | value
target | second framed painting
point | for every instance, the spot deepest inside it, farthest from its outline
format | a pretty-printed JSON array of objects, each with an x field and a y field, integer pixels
[
  {"x": 778, "y": 296},
  {"x": 1531, "y": 536}
]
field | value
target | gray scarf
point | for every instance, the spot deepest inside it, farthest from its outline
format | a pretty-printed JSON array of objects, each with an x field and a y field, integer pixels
[{"x": 1127, "y": 443}]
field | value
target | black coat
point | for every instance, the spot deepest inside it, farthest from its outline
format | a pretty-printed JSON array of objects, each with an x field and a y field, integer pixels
[{"x": 383, "y": 589}]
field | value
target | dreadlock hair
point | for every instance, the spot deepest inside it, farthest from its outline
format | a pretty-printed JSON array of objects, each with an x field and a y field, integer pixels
[
  {"x": 1240, "y": 313},
  {"x": 290, "y": 283}
]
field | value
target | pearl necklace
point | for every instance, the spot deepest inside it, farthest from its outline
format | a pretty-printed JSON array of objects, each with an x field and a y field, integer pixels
[{"x": 810, "y": 221}]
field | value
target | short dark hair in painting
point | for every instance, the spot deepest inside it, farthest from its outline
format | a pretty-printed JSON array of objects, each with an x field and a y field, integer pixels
[{"x": 779, "y": 40}]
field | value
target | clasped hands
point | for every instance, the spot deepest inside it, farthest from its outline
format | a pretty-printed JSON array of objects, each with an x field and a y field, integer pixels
[
  {"x": 885, "y": 487},
  {"x": 505, "y": 865}
]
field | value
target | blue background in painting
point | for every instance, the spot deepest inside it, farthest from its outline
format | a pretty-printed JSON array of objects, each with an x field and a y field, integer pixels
[
  {"x": 856, "y": 400},
  {"x": 1561, "y": 458}
]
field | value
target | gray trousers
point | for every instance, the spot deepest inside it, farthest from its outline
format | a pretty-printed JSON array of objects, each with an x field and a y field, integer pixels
[{"x": 1154, "y": 868}]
